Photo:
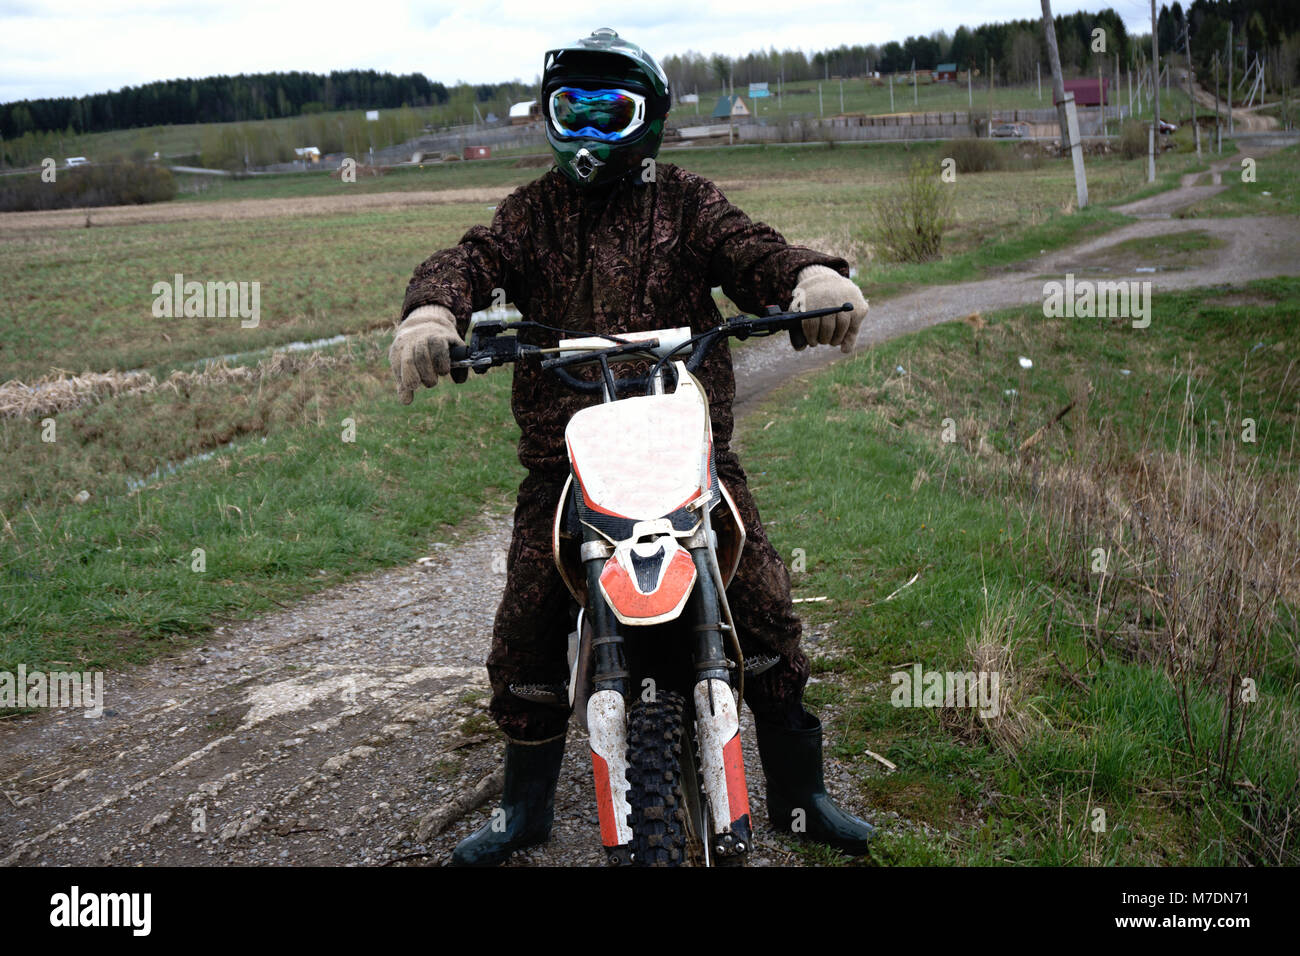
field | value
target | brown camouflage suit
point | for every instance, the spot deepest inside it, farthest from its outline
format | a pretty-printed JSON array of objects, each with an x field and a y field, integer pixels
[{"x": 628, "y": 257}]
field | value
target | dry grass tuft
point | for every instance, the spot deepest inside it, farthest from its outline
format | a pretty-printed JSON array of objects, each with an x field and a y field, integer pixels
[
  {"x": 63, "y": 390},
  {"x": 1185, "y": 555},
  {"x": 993, "y": 647}
]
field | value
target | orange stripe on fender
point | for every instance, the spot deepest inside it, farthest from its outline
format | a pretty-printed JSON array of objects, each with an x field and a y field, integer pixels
[
  {"x": 604, "y": 801},
  {"x": 737, "y": 793},
  {"x": 629, "y": 602}
]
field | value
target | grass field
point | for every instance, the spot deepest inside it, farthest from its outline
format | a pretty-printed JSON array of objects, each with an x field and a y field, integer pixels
[
  {"x": 328, "y": 274},
  {"x": 1000, "y": 541},
  {"x": 1275, "y": 190},
  {"x": 288, "y": 475},
  {"x": 263, "y": 482}
]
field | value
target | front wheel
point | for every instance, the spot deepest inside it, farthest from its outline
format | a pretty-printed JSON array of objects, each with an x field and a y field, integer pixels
[{"x": 654, "y": 776}]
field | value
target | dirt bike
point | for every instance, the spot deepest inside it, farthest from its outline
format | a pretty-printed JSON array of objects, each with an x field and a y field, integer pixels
[{"x": 646, "y": 538}]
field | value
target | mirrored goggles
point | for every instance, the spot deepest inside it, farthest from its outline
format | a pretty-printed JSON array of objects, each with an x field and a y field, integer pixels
[{"x": 606, "y": 115}]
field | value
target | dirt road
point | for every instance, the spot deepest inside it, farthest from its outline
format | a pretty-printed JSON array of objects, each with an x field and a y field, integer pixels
[
  {"x": 333, "y": 732},
  {"x": 1243, "y": 118}
]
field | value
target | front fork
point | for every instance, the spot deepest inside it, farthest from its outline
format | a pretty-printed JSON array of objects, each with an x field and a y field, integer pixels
[
  {"x": 607, "y": 712},
  {"x": 717, "y": 722},
  {"x": 717, "y": 719}
]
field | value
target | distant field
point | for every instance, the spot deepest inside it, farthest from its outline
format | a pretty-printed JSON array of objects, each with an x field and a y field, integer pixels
[
  {"x": 172, "y": 140},
  {"x": 331, "y": 273},
  {"x": 860, "y": 96}
]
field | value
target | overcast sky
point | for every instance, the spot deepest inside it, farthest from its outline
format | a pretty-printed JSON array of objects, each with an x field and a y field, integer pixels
[{"x": 72, "y": 47}]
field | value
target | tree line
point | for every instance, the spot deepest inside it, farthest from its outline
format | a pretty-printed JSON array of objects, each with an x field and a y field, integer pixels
[
  {"x": 1015, "y": 49},
  {"x": 221, "y": 99}
]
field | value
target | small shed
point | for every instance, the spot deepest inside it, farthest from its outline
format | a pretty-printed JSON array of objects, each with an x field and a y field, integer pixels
[
  {"x": 308, "y": 154},
  {"x": 1089, "y": 92},
  {"x": 525, "y": 112},
  {"x": 478, "y": 152},
  {"x": 730, "y": 106},
  {"x": 945, "y": 73}
]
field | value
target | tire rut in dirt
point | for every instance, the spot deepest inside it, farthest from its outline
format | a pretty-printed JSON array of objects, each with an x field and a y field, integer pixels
[{"x": 658, "y": 817}]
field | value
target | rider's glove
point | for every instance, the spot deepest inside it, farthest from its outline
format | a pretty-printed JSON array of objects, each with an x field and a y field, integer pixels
[
  {"x": 421, "y": 350},
  {"x": 821, "y": 287}
]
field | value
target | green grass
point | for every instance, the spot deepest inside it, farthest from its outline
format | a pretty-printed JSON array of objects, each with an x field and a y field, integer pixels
[
  {"x": 326, "y": 274},
  {"x": 319, "y": 277},
  {"x": 286, "y": 506},
  {"x": 482, "y": 173},
  {"x": 855, "y": 472},
  {"x": 1275, "y": 191}
]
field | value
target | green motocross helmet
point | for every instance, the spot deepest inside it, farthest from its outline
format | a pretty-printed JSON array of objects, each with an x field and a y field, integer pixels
[{"x": 604, "y": 101}]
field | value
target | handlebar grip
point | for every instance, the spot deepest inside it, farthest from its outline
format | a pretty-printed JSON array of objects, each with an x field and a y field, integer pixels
[{"x": 459, "y": 353}]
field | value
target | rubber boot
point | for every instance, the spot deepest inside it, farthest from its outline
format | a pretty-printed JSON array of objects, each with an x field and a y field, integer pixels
[
  {"x": 528, "y": 801},
  {"x": 792, "y": 763}
]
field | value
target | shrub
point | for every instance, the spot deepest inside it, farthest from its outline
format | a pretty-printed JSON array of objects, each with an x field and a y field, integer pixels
[
  {"x": 908, "y": 224},
  {"x": 118, "y": 184},
  {"x": 1133, "y": 140},
  {"x": 975, "y": 155}
]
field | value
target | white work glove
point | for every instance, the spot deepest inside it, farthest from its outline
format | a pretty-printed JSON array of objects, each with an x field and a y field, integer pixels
[
  {"x": 821, "y": 287},
  {"x": 421, "y": 350}
]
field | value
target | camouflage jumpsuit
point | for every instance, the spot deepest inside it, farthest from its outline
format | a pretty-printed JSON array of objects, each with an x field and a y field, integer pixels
[{"x": 627, "y": 257}]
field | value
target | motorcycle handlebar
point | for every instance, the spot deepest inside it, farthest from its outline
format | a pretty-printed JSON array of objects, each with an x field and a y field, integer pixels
[{"x": 492, "y": 350}]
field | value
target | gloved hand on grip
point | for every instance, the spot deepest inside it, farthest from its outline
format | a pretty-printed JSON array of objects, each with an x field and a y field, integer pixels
[
  {"x": 821, "y": 287},
  {"x": 421, "y": 350}
]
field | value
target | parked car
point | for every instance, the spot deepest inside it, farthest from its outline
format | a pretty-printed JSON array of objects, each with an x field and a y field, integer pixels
[
  {"x": 1166, "y": 128},
  {"x": 1010, "y": 129},
  {"x": 75, "y": 161}
]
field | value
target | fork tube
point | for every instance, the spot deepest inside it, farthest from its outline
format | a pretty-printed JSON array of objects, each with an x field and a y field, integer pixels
[
  {"x": 610, "y": 670},
  {"x": 710, "y": 647},
  {"x": 717, "y": 723},
  {"x": 607, "y": 721}
]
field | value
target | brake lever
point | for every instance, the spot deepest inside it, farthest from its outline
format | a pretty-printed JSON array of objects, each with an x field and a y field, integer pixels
[{"x": 484, "y": 354}]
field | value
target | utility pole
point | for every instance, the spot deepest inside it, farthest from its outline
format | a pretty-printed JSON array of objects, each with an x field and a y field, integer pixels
[
  {"x": 821, "y": 112},
  {"x": 990, "y": 98},
  {"x": 841, "y": 97},
  {"x": 1101, "y": 100},
  {"x": 1065, "y": 111},
  {"x": 1040, "y": 80},
  {"x": 915, "y": 101},
  {"x": 1117, "y": 117},
  {"x": 1218, "y": 130},
  {"x": 1187, "y": 42},
  {"x": 970, "y": 95},
  {"x": 1155, "y": 126},
  {"x": 1058, "y": 84},
  {"x": 1231, "y": 57},
  {"x": 891, "y": 92}
]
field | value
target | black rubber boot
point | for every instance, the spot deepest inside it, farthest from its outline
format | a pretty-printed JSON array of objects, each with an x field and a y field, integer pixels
[
  {"x": 792, "y": 763},
  {"x": 528, "y": 801}
]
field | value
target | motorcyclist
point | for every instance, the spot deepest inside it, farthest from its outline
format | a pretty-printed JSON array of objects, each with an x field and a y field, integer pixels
[{"x": 610, "y": 240}]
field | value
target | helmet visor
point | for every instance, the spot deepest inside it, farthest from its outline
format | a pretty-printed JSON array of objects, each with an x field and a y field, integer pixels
[{"x": 607, "y": 115}]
